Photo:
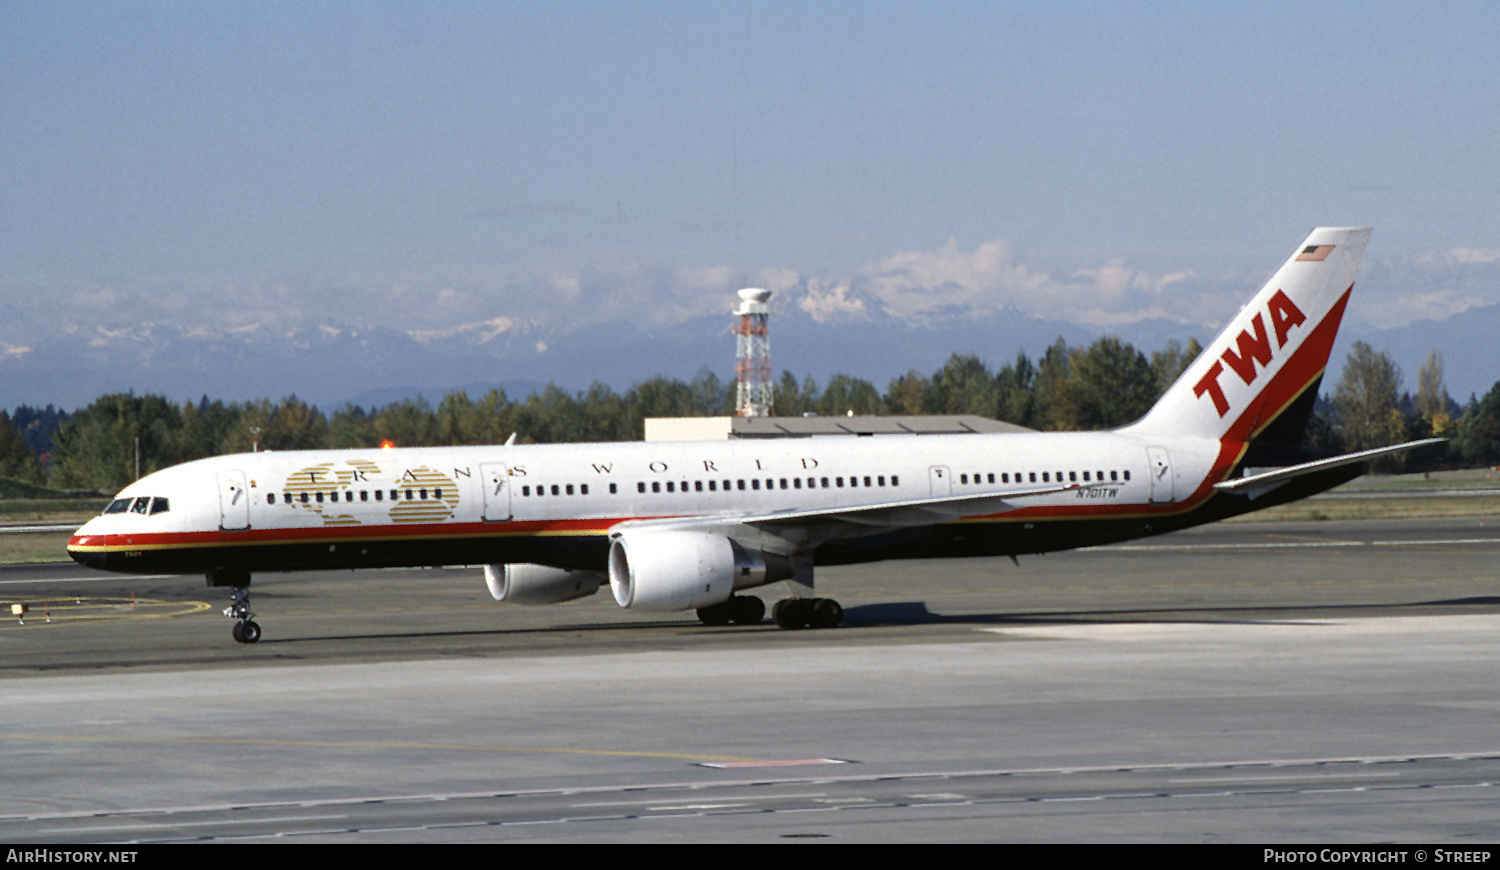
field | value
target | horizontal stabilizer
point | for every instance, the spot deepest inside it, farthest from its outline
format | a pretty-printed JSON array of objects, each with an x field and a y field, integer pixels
[{"x": 1256, "y": 484}]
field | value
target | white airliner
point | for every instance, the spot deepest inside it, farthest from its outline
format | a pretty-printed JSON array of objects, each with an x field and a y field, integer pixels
[{"x": 683, "y": 526}]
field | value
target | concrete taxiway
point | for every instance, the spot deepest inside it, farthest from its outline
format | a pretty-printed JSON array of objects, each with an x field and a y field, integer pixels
[{"x": 1242, "y": 682}]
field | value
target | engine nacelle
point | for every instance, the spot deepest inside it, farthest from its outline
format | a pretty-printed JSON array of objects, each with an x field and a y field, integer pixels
[
  {"x": 539, "y": 584},
  {"x": 683, "y": 570}
]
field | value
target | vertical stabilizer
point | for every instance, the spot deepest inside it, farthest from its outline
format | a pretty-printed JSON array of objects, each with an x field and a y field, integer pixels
[{"x": 1274, "y": 350}]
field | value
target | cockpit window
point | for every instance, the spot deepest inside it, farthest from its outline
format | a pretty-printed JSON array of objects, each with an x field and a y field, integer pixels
[{"x": 145, "y": 504}]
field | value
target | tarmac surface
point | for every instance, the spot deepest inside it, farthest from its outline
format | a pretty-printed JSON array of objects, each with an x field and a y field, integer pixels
[{"x": 1244, "y": 682}]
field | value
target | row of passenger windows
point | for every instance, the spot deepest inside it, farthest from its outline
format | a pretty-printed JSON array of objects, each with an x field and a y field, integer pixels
[
  {"x": 725, "y": 485},
  {"x": 158, "y": 505},
  {"x": 364, "y": 495},
  {"x": 145, "y": 504},
  {"x": 754, "y": 484},
  {"x": 853, "y": 482},
  {"x": 563, "y": 489},
  {"x": 1044, "y": 477}
]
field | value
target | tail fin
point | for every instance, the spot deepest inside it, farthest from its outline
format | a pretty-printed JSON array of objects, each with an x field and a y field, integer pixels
[{"x": 1262, "y": 373}]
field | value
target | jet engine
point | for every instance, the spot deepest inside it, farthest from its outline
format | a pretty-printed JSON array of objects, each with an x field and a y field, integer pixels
[
  {"x": 683, "y": 570},
  {"x": 538, "y": 584}
]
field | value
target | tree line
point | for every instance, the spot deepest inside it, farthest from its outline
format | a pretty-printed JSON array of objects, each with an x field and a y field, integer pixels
[{"x": 1104, "y": 384}]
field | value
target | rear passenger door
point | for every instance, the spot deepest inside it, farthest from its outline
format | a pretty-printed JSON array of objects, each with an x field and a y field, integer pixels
[{"x": 941, "y": 480}]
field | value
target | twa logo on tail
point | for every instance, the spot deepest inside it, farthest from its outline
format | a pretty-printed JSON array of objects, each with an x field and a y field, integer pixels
[
  {"x": 1272, "y": 350},
  {"x": 1252, "y": 349}
]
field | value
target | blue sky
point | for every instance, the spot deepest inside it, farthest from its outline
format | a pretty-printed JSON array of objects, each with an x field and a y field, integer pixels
[{"x": 222, "y": 164}]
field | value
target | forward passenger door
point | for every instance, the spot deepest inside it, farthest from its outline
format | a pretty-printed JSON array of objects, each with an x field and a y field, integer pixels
[
  {"x": 496, "y": 477},
  {"x": 234, "y": 501}
]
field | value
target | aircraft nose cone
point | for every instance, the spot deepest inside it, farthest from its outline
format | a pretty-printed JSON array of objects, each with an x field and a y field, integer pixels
[{"x": 87, "y": 549}]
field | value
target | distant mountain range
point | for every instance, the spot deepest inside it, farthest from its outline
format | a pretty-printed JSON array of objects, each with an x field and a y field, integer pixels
[{"x": 333, "y": 364}]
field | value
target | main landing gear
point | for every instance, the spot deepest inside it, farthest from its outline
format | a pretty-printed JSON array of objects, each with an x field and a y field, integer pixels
[
  {"x": 738, "y": 609},
  {"x": 788, "y": 613},
  {"x": 792, "y": 613},
  {"x": 246, "y": 629}
]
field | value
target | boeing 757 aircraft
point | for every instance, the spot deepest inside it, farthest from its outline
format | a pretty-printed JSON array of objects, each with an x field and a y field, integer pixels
[{"x": 688, "y": 526}]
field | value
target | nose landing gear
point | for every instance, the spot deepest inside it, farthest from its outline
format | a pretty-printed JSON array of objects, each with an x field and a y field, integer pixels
[{"x": 246, "y": 630}]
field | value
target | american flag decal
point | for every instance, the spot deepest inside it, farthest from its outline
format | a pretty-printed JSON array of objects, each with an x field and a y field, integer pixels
[{"x": 1314, "y": 253}]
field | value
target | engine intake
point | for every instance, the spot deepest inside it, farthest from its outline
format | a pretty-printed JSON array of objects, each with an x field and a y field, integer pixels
[{"x": 681, "y": 570}]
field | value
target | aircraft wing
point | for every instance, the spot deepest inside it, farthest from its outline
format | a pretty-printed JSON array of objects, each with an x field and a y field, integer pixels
[
  {"x": 1253, "y": 485},
  {"x": 915, "y": 512},
  {"x": 809, "y": 527}
]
